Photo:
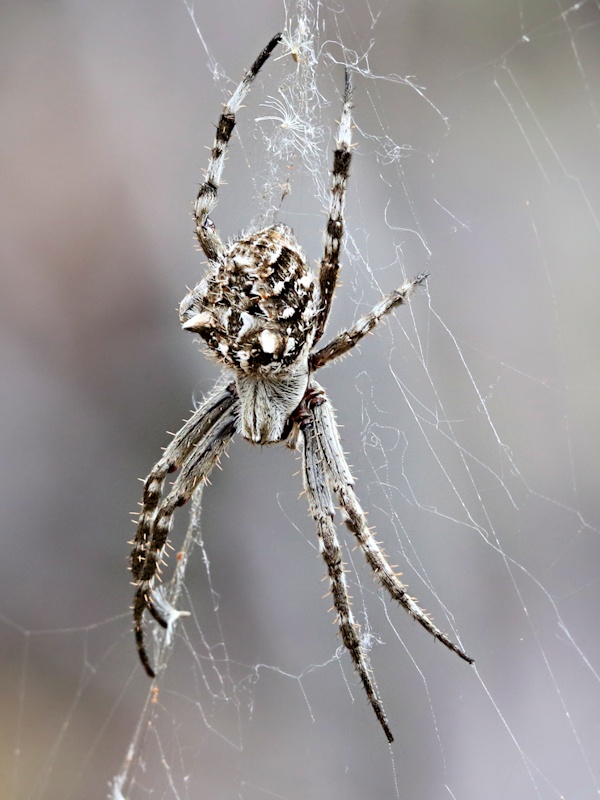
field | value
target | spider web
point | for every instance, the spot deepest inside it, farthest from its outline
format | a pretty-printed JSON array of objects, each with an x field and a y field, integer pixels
[{"x": 470, "y": 418}]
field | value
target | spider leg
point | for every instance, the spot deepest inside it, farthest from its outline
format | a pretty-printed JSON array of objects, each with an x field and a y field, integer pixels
[
  {"x": 342, "y": 483},
  {"x": 207, "y": 195},
  {"x": 195, "y": 469},
  {"x": 346, "y": 340},
  {"x": 322, "y": 511},
  {"x": 175, "y": 454},
  {"x": 330, "y": 265}
]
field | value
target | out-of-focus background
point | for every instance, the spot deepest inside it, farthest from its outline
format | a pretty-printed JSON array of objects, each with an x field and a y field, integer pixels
[{"x": 471, "y": 419}]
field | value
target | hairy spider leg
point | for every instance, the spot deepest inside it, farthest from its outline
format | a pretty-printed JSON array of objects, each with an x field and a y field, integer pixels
[
  {"x": 348, "y": 339},
  {"x": 206, "y": 200},
  {"x": 196, "y": 468},
  {"x": 342, "y": 156},
  {"x": 202, "y": 440},
  {"x": 342, "y": 483},
  {"x": 322, "y": 511},
  {"x": 173, "y": 457}
]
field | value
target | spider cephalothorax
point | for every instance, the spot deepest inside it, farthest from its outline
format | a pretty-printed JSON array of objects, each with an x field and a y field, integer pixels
[{"x": 260, "y": 311}]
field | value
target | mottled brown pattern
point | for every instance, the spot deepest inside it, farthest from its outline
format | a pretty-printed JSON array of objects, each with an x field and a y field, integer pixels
[{"x": 263, "y": 284}]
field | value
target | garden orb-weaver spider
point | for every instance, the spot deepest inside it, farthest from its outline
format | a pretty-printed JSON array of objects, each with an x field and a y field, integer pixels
[{"x": 261, "y": 311}]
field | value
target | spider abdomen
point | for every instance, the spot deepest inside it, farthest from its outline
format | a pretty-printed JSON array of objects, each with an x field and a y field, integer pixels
[{"x": 256, "y": 309}]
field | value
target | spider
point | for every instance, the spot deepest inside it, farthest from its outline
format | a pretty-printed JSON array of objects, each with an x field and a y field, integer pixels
[{"x": 261, "y": 312}]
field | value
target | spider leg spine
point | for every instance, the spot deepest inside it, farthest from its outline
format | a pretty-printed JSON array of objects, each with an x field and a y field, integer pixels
[
  {"x": 334, "y": 230},
  {"x": 206, "y": 199},
  {"x": 195, "y": 469},
  {"x": 174, "y": 455},
  {"x": 343, "y": 485},
  {"x": 201, "y": 457},
  {"x": 322, "y": 511},
  {"x": 346, "y": 340}
]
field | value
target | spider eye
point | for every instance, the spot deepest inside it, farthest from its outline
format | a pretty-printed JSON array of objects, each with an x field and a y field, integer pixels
[{"x": 209, "y": 225}]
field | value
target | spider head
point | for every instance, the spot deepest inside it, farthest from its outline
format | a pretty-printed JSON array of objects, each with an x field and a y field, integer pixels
[{"x": 256, "y": 311}]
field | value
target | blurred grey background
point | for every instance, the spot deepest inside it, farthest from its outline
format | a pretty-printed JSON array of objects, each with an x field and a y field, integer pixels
[{"x": 471, "y": 419}]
